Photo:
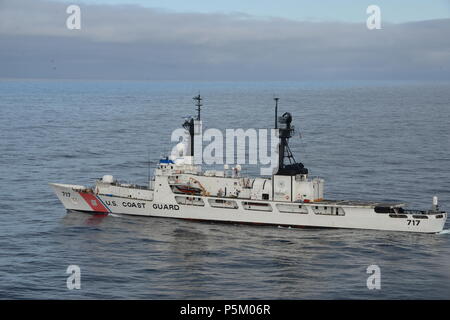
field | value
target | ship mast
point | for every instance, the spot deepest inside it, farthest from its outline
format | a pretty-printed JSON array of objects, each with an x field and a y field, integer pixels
[
  {"x": 276, "y": 111},
  {"x": 286, "y": 161},
  {"x": 189, "y": 124},
  {"x": 198, "y": 104}
]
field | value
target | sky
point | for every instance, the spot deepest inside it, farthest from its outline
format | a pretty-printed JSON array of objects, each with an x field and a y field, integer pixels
[
  {"x": 293, "y": 40},
  {"x": 322, "y": 10}
]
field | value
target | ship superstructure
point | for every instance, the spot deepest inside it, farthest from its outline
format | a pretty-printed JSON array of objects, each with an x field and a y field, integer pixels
[{"x": 289, "y": 197}]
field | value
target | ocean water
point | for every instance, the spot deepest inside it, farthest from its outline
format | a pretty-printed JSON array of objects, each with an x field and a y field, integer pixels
[{"x": 373, "y": 141}]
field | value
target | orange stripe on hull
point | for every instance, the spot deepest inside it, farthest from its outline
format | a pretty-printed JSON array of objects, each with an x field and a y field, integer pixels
[{"x": 93, "y": 202}]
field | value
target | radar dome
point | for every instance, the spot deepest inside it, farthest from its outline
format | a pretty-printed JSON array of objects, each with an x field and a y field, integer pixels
[{"x": 108, "y": 179}]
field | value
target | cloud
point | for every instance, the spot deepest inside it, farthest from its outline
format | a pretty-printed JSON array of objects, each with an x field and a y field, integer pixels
[{"x": 132, "y": 42}]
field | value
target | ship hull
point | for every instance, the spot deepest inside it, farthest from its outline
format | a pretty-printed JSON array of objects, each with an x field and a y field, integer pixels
[{"x": 247, "y": 211}]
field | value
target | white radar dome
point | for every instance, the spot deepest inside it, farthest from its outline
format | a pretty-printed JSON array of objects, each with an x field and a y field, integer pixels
[{"x": 108, "y": 179}]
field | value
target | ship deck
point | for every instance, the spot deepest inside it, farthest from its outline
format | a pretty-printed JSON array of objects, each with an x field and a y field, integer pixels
[{"x": 361, "y": 203}]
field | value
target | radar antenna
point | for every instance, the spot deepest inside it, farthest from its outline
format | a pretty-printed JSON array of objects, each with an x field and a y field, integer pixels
[
  {"x": 286, "y": 161},
  {"x": 198, "y": 103}
]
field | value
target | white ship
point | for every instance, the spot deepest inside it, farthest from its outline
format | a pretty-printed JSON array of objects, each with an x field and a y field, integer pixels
[{"x": 290, "y": 198}]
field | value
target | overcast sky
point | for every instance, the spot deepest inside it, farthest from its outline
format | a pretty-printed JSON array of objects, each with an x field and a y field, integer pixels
[
  {"x": 225, "y": 40},
  {"x": 321, "y": 10}
]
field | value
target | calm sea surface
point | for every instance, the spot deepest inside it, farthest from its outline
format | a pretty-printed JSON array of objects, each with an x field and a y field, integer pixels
[{"x": 374, "y": 141}]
